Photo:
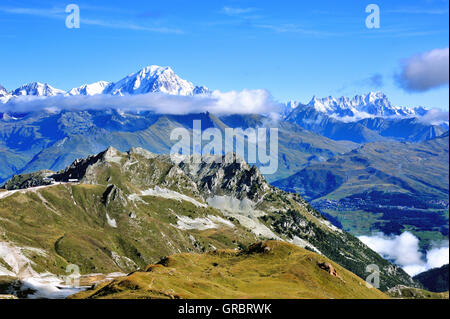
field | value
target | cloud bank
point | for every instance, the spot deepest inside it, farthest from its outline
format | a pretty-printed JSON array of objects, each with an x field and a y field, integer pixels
[
  {"x": 435, "y": 117},
  {"x": 233, "y": 102},
  {"x": 424, "y": 71},
  {"x": 404, "y": 251}
]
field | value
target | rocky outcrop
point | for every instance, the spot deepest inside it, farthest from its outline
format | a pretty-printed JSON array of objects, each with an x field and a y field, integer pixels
[
  {"x": 329, "y": 268},
  {"x": 113, "y": 194},
  {"x": 228, "y": 174},
  {"x": 24, "y": 181}
]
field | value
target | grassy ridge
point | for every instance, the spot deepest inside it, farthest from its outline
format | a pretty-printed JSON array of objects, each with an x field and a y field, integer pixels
[{"x": 271, "y": 269}]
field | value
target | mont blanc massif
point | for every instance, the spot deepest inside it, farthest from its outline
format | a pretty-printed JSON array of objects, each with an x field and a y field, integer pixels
[{"x": 92, "y": 204}]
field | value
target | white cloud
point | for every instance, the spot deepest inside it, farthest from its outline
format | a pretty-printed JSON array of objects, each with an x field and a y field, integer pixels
[
  {"x": 437, "y": 257},
  {"x": 425, "y": 71},
  {"x": 234, "y": 102},
  {"x": 237, "y": 11},
  {"x": 435, "y": 117},
  {"x": 243, "y": 102},
  {"x": 49, "y": 13},
  {"x": 59, "y": 14},
  {"x": 403, "y": 250}
]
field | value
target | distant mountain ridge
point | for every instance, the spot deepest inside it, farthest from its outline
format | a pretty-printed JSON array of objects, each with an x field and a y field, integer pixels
[
  {"x": 3, "y": 91},
  {"x": 151, "y": 79},
  {"x": 90, "y": 89},
  {"x": 54, "y": 140},
  {"x": 372, "y": 104},
  {"x": 369, "y": 129},
  {"x": 36, "y": 89},
  {"x": 158, "y": 79},
  {"x": 4, "y": 95}
]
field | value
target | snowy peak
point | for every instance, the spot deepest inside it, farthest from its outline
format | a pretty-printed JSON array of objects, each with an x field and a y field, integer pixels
[
  {"x": 3, "y": 91},
  {"x": 362, "y": 106},
  {"x": 4, "y": 95},
  {"x": 154, "y": 79},
  {"x": 90, "y": 89},
  {"x": 289, "y": 107},
  {"x": 37, "y": 89},
  {"x": 292, "y": 104},
  {"x": 151, "y": 79}
]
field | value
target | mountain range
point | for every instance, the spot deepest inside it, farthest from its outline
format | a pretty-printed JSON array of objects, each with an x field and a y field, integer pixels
[
  {"x": 362, "y": 106},
  {"x": 369, "y": 129},
  {"x": 364, "y": 118},
  {"x": 119, "y": 211},
  {"x": 366, "y": 165},
  {"x": 150, "y": 79}
]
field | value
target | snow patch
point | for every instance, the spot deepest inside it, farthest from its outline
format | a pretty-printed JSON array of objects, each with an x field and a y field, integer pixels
[
  {"x": 111, "y": 221},
  {"x": 136, "y": 198},
  {"x": 199, "y": 223},
  {"x": 170, "y": 194},
  {"x": 5, "y": 194},
  {"x": 122, "y": 261},
  {"x": 44, "y": 285},
  {"x": 303, "y": 244},
  {"x": 48, "y": 286},
  {"x": 15, "y": 257}
]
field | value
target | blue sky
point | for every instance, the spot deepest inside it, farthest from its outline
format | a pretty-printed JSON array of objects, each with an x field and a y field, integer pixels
[{"x": 294, "y": 49}]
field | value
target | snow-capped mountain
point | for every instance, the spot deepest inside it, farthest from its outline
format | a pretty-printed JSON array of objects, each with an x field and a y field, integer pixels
[
  {"x": 37, "y": 89},
  {"x": 90, "y": 89},
  {"x": 154, "y": 79},
  {"x": 373, "y": 104},
  {"x": 151, "y": 79},
  {"x": 4, "y": 95},
  {"x": 289, "y": 107},
  {"x": 3, "y": 91},
  {"x": 157, "y": 79}
]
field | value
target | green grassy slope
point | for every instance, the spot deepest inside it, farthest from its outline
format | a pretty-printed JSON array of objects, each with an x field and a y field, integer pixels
[
  {"x": 70, "y": 223},
  {"x": 270, "y": 269},
  {"x": 106, "y": 223}
]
